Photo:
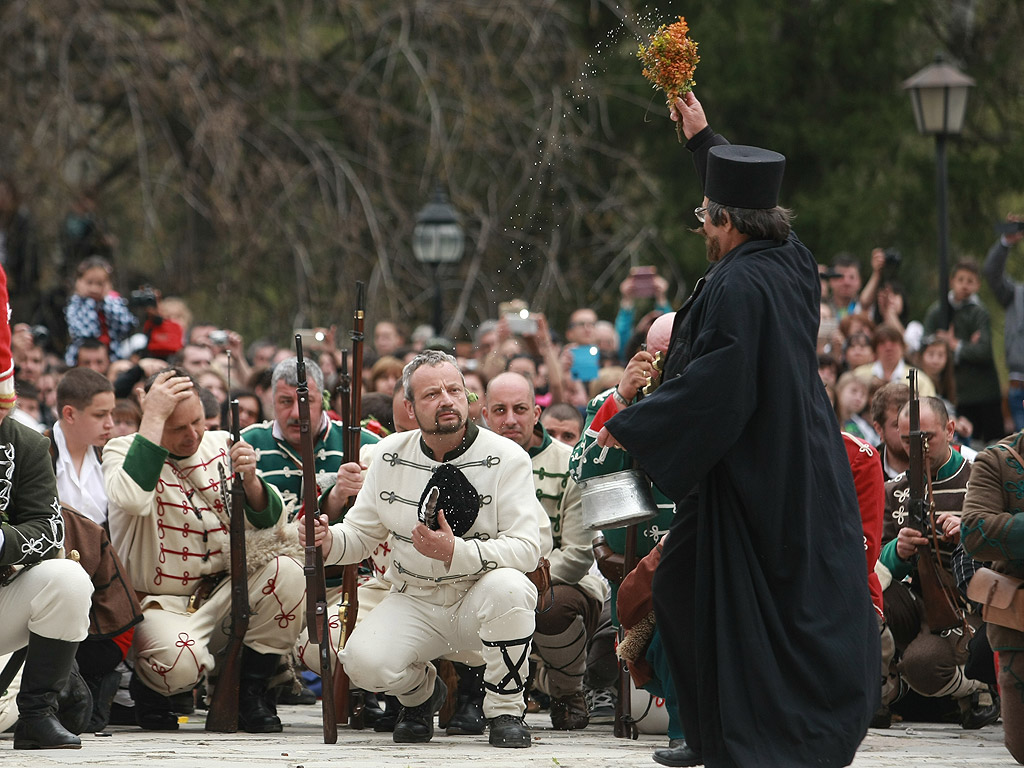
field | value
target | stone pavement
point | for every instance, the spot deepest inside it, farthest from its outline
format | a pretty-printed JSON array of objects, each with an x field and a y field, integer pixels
[{"x": 301, "y": 746}]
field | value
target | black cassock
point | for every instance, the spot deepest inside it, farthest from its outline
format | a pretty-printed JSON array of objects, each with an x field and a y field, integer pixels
[{"x": 762, "y": 592}]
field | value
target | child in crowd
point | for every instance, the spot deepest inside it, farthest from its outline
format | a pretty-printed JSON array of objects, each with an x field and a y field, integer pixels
[
  {"x": 936, "y": 360},
  {"x": 127, "y": 418},
  {"x": 966, "y": 326},
  {"x": 858, "y": 350},
  {"x": 851, "y": 402},
  {"x": 94, "y": 312}
]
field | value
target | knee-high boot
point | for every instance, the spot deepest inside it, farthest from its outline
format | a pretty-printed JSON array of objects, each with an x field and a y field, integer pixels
[
  {"x": 47, "y": 667},
  {"x": 257, "y": 711}
]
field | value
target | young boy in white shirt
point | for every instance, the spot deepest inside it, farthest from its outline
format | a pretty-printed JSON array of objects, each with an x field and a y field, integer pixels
[{"x": 85, "y": 402}]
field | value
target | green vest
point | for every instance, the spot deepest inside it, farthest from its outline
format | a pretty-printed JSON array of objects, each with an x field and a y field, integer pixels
[{"x": 281, "y": 465}]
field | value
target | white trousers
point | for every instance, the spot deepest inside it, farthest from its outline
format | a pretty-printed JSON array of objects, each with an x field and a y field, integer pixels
[
  {"x": 392, "y": 648},
  {"x": 51, "y": 599},
  {"x": 175, "y": 648},
  {"x": 370, "y": 595}
]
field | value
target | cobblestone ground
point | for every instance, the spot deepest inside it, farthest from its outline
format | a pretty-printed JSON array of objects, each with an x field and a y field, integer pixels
[{"x": 301, "y": 746}]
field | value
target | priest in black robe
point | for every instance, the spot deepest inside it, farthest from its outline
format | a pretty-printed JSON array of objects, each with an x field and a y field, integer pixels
[{"x": 761, "y": 595}]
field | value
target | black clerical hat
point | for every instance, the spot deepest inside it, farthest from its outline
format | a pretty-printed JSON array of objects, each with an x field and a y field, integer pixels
[
  {"x": 744, "y": 177},
  {"x": 456, "y": 496}
]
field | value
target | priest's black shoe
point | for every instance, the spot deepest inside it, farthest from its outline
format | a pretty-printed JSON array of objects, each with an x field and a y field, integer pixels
[
  {"x": 509, "y": 731},
  {"x": 153, "y": 711},
  {"x": 677, "y": 756},
  {"x": 416, "y": 724}
]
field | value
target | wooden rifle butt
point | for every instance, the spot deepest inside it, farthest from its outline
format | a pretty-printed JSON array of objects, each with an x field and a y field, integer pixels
[{"x": 222, "y": 716}]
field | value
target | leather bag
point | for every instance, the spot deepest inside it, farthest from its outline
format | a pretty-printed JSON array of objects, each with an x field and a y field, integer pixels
[
  {"x": 1001, "y": 598},
  {"x": 541, "y": 578}
]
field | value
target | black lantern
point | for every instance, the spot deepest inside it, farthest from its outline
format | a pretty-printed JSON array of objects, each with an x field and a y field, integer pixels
[
  {"x": 437, "y": 239},
  {"x": 938, "y": 94}
]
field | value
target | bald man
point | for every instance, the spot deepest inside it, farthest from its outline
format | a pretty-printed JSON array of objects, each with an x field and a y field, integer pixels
[
  {"x": 560, "y": 640},
  {"x": 602, "y": 667}
]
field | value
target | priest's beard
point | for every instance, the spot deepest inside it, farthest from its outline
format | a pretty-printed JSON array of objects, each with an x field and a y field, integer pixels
[{"x": 713, "y": 246}]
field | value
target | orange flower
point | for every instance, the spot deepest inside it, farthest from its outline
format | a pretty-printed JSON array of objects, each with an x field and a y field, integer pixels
[{"x": 670, "y": 59}]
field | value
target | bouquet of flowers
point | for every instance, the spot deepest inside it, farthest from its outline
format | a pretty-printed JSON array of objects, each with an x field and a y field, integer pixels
[{"x": 669, "y": 60}]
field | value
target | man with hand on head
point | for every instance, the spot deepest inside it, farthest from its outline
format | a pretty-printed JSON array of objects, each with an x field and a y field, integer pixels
[{"x": 170, "y": 526}]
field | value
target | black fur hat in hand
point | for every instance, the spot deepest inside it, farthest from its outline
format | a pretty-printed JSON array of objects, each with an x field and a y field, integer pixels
[{"x": 456, "y": 496}]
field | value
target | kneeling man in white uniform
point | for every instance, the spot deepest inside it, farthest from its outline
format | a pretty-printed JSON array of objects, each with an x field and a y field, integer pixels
[{"x": 458, "y": 584}]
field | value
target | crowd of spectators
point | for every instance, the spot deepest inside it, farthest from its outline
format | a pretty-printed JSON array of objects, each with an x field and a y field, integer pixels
[
  {"x": 867, "y": 343},
  {"x": 867, "y": 338}
]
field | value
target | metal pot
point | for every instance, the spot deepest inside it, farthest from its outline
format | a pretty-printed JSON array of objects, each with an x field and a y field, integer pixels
[{"x": 617, "y": 500}]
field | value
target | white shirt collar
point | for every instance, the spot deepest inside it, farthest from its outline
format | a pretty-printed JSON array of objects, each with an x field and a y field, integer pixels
[{"x": 84, "y": 491}]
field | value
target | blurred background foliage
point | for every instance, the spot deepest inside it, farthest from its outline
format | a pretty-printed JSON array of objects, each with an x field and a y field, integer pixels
[{"x": 257, "y": 157}]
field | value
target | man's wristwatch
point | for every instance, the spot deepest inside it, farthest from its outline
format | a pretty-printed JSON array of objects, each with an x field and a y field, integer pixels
[{"x": 619, "y": 398}]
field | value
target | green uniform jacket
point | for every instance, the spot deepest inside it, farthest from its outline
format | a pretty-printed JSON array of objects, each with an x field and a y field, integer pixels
[
  {"x": 281, "y": 465},
  {"x": 992, "y": 526},
  {"x": 584, "y": 464},
  {"x": 29, "y": 511}
]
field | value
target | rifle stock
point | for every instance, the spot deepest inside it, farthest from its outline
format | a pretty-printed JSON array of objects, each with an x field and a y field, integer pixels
[
  {"x": 223, "y": 714},
  {"x": 318, "y": 623},
  {"x": 941, "y": 610}
]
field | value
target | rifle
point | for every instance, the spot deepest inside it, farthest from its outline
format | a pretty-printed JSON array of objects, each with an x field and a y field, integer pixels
[
  {"x": 223, "y": 714},
  {"x": 938, "y": 593},
  {"x": 625, "y": 727},
  {"x": 318, "y": 622},
  {"x": 349, "y": 703}
]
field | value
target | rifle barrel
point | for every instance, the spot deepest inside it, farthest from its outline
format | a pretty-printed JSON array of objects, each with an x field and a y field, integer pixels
[{"x": 318, "y": 623}]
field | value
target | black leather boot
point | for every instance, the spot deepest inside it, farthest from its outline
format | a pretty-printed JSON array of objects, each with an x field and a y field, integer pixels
[
  {"x": 153, "y": 711},
  {"x": 385, "y": 723},
  {"x": 257, "y": 710},
  {"x": 416, "y": 724},
  {"x": 509, "y": 731},
  {"x": 74, "y": 703},
  {"x": 47, "y": 667},
  {"x": 103, "y": 688},
  {"x": 469, "y": 713}
]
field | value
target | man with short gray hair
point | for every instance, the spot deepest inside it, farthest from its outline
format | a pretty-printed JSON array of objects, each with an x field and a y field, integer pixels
[
  {"x": 338, "y": 477},
  {"x": 278, "y": 448},
  {"x": 456, "y": 505}
]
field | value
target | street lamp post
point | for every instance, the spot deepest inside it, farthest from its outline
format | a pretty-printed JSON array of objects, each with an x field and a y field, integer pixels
[
  {"x": 938, "y": 94},
  {"x": 437, "y": 239}
]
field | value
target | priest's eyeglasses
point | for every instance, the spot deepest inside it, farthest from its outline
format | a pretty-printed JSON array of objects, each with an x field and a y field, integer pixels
[{"x": 700, "y": 212}]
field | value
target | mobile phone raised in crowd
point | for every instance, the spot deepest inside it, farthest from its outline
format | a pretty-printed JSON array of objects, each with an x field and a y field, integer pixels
[
  {"x": 521, "y": 323},
  {"x": 585, "y": 363},
  {"x": 312, "y": 339},
  {"x": 517, "y": 315},
  {"x": 1009, "y": 227},
  {"x": 643, "y": 281}
]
